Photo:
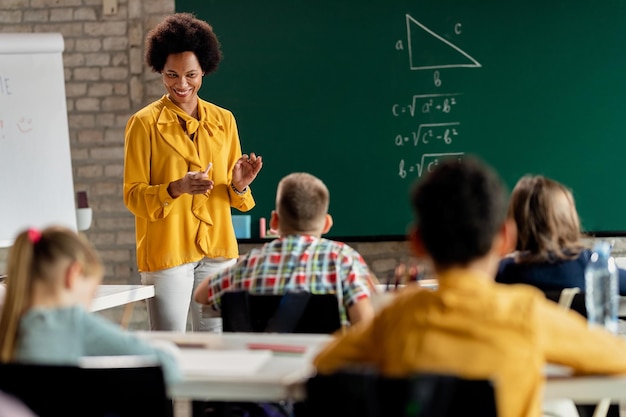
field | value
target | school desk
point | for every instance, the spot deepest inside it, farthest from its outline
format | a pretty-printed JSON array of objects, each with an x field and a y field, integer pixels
[
  {"x": 242, "y": 366},
  {"x": 269, "y": 367},
  {"x": 109, "y": 296}
]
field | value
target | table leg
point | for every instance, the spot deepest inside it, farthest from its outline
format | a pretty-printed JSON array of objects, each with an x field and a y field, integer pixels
[{"x": 126, "y": 315}]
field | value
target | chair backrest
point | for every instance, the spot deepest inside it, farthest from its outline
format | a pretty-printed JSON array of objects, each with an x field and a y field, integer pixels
[
  {"x": 569, "y": 298},
  {"x": 73, "y": 391},
  {"x": 368, "y": 394},
  {"x": 293, "y": 312}
]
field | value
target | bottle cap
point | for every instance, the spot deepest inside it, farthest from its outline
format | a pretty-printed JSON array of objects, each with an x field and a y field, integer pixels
[{"x": 602, "y": 248}]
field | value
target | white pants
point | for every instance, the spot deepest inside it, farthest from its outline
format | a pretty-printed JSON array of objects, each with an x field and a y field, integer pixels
[{"x": 173, "y": 298}]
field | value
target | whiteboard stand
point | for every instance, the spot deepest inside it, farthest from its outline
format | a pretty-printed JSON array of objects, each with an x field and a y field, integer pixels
[{"x": 36, "y": 176}]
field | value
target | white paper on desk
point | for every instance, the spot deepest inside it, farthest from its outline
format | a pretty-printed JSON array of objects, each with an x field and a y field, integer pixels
[
  {"x": 554, "y": 370},
  {"x": 222, "y": 362}
]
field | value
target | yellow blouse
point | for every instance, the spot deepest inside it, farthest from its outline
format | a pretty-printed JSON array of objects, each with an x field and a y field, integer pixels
[
  {"x": 475, "y": 328},
  {"x": 172, "y": 232}
]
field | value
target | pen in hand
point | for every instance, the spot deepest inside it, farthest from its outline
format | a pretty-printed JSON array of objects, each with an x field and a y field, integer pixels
[
  {"x": 205, "y": 174},
  {"x": 208, "y": 168}
]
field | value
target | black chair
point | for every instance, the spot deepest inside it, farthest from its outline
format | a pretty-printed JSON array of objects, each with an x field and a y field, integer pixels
[
  {"x": 369, "y": 394},
  {"x": 73, "y": 391},
  {"x": 293, "y": 312}
]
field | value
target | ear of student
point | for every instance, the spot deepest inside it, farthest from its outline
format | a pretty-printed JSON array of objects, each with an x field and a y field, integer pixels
[
  {"x": 274, "y": 220},
  {"x": 72, "y": 273},
  {"x": 328, "y": 223},
  {"x": 507, "y": 237}
]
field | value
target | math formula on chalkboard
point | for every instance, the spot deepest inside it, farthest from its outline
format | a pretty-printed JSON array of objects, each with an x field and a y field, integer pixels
[{"x": 433, "y": 113}]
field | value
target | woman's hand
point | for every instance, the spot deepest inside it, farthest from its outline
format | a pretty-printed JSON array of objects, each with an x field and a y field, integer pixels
[
  {"x": 192, "y": 183},
  {"x": 246, "y": 170}
]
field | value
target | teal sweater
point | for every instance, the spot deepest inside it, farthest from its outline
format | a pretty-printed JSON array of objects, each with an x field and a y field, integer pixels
[{"x": 61, "y": 336}]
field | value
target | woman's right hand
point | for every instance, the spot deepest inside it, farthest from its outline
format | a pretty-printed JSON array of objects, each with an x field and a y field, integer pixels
[{"x": 192, "y": 183}]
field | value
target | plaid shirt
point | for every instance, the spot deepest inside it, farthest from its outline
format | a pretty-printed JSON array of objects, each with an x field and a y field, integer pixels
[{"x": 297, "y": 262}]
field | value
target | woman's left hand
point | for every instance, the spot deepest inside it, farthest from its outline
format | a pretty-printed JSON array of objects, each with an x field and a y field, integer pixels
[{"x": 246, "y": 170}]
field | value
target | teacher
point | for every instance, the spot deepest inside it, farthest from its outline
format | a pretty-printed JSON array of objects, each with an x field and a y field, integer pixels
[{"x": 183, "y": 171}]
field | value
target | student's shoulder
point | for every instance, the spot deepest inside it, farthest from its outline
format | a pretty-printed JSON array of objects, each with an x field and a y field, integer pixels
[
  {"x": 92, "y": 321},
  {"x": 519, "y": 290},
  {"x": 339, "y": 245},
  {"x": 522, "y": 300}
]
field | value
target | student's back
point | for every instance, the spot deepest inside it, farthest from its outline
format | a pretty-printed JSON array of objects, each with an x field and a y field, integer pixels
[
  {"x": 471, "y": 326},
  {"x": 300, "y": 259},
  {"x": 52, "y": 277},
  {"x": 550, "y": 254}
]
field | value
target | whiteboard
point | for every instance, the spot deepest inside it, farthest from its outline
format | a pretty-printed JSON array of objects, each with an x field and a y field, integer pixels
[{"x": 36, "y": 180}]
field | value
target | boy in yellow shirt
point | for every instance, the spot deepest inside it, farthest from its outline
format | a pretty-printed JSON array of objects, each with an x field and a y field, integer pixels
[{"x": 471, "y": 326}]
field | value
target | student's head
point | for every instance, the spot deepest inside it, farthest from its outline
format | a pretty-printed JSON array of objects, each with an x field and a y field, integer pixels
[
  {"x": 460, "y": 212},
  {"x": 547, "y": 222},
  {"x": 301, "y": 205},
  {"x": 55, "y": 264},
  {"x": 183, "y": 32}
]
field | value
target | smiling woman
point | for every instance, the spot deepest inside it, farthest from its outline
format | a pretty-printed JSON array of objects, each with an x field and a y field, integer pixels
[{"x": 182, "y": 209}]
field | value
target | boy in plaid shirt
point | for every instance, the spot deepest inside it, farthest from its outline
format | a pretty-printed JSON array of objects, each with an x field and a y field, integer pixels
[{"x": 299, "y": 259}]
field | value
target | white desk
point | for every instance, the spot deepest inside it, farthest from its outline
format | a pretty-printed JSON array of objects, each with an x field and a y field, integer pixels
[
  {"x": 109, "y": 296},
  {"x": 586, "y": 389},
  {"x": 281, "y": 377},
  {"x": 284, "y": 376}
]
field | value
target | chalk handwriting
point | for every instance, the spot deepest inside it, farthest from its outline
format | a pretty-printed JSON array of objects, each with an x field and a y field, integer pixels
[
  {"x": 428, "y": 161},
  {"x": 428, "y": 132},
  {"x": 428, "y": 103},
  {"x": 419, "y": 34}
]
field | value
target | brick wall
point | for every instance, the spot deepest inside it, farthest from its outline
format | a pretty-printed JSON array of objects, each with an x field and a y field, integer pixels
[{"x": 106, "y": 81}]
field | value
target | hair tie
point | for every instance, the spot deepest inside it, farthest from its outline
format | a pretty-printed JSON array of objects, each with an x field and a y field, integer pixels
[{"x": 34, "y": 235}]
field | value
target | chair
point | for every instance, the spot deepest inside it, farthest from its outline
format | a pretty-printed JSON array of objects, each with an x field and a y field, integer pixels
[
  {"x": 293, "y": 312},
  {"x": 369, "y": 394},
  {"x": 74, "y": 391},
  {"x": 572, "y": 298}
]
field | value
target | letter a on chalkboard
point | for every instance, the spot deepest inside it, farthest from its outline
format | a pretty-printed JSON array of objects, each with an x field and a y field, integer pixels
[{"x": 427, "y": 50}]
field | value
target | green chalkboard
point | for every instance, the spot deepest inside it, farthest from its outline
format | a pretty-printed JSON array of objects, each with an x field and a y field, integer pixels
[{"x": 368, "y": 95}]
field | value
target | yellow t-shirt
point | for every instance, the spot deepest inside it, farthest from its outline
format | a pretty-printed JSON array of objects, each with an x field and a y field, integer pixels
[{"x": 475, "y": 328}]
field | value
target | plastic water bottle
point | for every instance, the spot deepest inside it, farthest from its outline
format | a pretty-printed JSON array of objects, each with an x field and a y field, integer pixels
[{"x": 601, "y": 288}]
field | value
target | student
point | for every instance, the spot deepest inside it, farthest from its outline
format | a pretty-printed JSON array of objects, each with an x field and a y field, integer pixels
[
  {"x": 300, "y": 259},
  {"x": 52, "y": 278},
  {"x": 470, "y": 326},
  {"x": 550, "y": 254}
]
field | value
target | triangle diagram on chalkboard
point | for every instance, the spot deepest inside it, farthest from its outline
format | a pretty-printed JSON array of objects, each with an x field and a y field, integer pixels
[{"x": 427, "y": 50}]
